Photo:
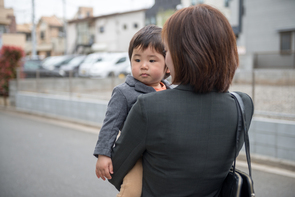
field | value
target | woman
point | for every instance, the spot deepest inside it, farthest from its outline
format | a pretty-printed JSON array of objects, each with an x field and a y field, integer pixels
[{"x": 186, "y": 135}]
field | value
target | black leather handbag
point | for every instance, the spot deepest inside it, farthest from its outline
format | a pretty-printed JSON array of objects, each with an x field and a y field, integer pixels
[{"x": 237, "y": 182}]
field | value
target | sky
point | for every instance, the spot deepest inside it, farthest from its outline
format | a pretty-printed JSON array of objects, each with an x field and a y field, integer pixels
[{"x": 23, "y": 8}]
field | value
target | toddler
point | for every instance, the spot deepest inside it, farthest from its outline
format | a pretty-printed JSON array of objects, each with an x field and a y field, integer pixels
[{"x": 147, "y": 57}]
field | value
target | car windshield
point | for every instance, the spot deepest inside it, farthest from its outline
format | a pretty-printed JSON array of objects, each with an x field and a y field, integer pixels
[
  {"x": 111, "y": 57},
  {"x": 92, "y": 58},
  {"x": 31, "y": 64},
  {"x": 77, "y": 60},
  {"x": 54, "y": 60}
]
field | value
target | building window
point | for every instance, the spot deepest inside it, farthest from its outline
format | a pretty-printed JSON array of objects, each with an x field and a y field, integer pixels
[
  {"x": 101, "y": 29},
  {"x": 153, "y": 20},
  {"x": 42, "y": 36},
  {"x": 28, "y": 37},
  {"x": 3, "y": 29},
  {"x": 194, "y": 2},
  {"x": 286, "y": 41},
  {"x": 147, "y": 21},
  {"x": 135, "y": 25},
  {"x": 124, "y": 26}
]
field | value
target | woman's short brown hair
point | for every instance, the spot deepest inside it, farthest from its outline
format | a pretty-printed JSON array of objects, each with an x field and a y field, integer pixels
[{"x": 203, "y": 48}]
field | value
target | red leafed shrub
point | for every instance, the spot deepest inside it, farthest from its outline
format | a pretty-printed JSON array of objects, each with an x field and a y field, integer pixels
[{"x": 10, "y": 57}]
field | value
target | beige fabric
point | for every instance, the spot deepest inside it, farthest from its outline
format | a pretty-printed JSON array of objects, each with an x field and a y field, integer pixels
[{"x": 132, "y": 182}]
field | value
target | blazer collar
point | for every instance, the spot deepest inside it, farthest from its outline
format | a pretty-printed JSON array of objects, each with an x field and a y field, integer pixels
[
  {"x": 188, "y": 87},
  {"x": 140, "y": 87},
  {"x": 185, "y": 87}
]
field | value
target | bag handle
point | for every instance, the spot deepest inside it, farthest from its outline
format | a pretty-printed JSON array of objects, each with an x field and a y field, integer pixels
[{"x": 240, "y": 128}]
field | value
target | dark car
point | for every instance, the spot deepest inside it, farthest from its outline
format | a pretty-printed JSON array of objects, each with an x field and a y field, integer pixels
[
  {"x": 30, "y": 67},
  {"x": 72, "y": 67}
]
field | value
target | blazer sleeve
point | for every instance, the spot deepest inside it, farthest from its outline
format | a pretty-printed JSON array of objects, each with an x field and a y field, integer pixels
[
  {"x": 117, "y": 111},
  {"x": 131, "y": 143}
]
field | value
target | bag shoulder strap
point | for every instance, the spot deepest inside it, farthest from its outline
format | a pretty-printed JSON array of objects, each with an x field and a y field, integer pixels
[{"x": 242, "y": 127}]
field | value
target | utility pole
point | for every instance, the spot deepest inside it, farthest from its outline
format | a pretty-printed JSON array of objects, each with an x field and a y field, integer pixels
[
  {"x": 65, "y": 28},
  {"x": 33, "y": 34}
]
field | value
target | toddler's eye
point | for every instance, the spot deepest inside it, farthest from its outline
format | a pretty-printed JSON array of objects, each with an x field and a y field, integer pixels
[
  {"x": 137, "y": 60},
  {"x": 152, "y": 61}
]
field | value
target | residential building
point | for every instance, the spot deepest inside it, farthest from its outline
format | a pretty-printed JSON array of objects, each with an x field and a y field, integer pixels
[
  {"x": 222, "y": 5},
  {"x": 8, "y": 34},
  {"x": 50, "y": 36},
  {"x": 111, "y": 32},
  {"x": 26, "y": 29},
  {"x": 84, "y": 12},
  {"x": 80, "y": 31},
  {"x": 7, "y": 19},
  {"x": 161, "y": 11},
  {"x": 265, "y": 32}
]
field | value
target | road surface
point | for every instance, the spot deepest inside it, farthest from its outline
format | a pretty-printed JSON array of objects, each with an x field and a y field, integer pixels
[{"x": 43, "y": 157}]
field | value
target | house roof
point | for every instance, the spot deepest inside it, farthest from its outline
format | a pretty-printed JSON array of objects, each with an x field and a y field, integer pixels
[
  {"x": 26, "y": 27},
  {"x": 52, "y": 21},
  {"x": 107, "y": 15}
]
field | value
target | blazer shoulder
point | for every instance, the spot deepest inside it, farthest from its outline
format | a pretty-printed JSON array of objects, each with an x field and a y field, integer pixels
[
  {"x": 246, "y": 98},
  {"x": 249, "y": 106}
]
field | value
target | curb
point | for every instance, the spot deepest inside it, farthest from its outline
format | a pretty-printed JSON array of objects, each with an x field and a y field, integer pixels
[
  {"x": 255, "y": 158},
  {"x": 268, "y": 161}
]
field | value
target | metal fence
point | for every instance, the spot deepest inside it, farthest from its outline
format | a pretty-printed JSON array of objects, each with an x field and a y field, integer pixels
[
  {"x": 272, "y": 91},
  {"x": 277, "y": 60}
]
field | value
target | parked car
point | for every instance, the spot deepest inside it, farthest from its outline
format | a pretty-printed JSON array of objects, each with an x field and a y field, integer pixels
[
  {"x": 88, "y": 62},
  {"x": 52, "y": 64},
  {"x": 112, "y": 64},
  {"x": 30, "y": 67},
  {"x": 72, "y": 66}
]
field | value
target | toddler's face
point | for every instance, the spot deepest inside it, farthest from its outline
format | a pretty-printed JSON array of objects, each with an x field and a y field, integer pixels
[{"x": 148, "y": 66}]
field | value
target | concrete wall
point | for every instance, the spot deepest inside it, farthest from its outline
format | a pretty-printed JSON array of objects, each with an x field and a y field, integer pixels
[
  {"x": 266, "y": 77},
  {"x": 77, "y": 110},
  {"x": 79, "y": 87},
  {"x": 272, "y": 138}
]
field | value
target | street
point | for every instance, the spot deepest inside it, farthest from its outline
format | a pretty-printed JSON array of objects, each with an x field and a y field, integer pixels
[
  {"x": 38, "y": 159},
  {"x": 43, "y": 157}
]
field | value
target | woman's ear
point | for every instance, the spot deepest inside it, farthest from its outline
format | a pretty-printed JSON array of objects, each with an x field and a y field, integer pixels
[{"x": 167, "y": 72}]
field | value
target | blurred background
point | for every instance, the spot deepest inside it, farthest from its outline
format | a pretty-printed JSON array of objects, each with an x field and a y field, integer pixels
[
  {"x": 78, "y": 49},
  {"x": 61, "y": 59}
]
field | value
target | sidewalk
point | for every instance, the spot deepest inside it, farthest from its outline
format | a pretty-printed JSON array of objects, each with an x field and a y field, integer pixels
[{"x": 272, "y": 163}]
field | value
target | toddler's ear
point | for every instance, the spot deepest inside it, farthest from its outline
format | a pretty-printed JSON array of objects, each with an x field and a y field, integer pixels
[{"x": 167, "y": 71}]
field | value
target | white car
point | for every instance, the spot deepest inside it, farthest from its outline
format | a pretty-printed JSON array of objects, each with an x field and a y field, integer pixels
[
  {"x": 88, "y": 63},
  {"x": 112, "y": 64}
]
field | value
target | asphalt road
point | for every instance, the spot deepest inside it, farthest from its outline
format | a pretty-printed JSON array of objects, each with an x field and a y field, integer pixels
[
  {"x": 39, "y": 159},
  {"x": 43, "y": 158}
]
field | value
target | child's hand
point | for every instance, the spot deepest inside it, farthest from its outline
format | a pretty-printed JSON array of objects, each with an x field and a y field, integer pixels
[{"x": 104, "y": 167}]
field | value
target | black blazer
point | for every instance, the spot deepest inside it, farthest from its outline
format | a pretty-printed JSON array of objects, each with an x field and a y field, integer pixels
[{"x": 186, "y": 139}]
